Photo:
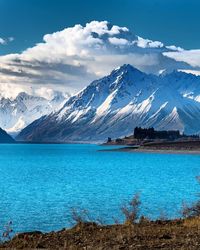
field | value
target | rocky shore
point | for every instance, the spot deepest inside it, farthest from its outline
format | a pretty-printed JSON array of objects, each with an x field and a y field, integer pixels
[{"x": 161, "y": 234}]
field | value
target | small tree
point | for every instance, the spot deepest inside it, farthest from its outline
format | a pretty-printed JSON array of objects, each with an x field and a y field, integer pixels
[
  {"x": 79, "y": 216},
  {"x": 131, "y": 210},
  {"x": 192, "y": 210}
]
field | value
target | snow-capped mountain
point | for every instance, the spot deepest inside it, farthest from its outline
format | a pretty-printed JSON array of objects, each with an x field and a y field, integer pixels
[
  {"x": 114, "y": 105},
  {"x": 17, "y": 113}
]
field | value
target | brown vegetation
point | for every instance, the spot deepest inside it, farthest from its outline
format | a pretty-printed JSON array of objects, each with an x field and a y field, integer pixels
[
  {"x": 131, "y": 210},
  {"x": 177, "y": 234}
]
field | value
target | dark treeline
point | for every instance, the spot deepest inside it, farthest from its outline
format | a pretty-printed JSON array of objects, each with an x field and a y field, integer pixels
[{"x": 151, "y": 133}]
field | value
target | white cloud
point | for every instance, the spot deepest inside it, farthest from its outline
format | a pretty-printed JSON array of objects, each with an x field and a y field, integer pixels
[
  {"x": 2, "y": 41},
  {"x": 9, "y": 90},
  {"x": 11, "y": 39},
  {"x": 191, "y": 57},
  {"x": 45, "y": 92},
  {"x": 146, "y": 43},
  {"x": 69, "y": 59},
  {"x": 118, "y": 41},
  {"x": 174, "y": 48}
]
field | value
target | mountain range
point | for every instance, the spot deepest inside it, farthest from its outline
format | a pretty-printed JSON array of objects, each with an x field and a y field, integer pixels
[
  {"x": 113, "y": 105},
  {"x": 17, "y": 113}
]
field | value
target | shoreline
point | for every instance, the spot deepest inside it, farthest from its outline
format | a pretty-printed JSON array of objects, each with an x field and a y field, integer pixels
[
  {"x": 158, "y": 151},
  {"x": 167, "y": 147}
]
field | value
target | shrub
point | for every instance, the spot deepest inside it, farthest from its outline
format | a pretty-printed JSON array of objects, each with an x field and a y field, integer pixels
[
  {"x": 79, "y": 216},
  {"x": 131, "y": 210},
  {"x": 191, "y": 211},
  {"x": 194, "y": 209}
]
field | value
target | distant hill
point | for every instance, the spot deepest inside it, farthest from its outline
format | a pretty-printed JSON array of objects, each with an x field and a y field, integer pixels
[{"x": 5, "y": 138}]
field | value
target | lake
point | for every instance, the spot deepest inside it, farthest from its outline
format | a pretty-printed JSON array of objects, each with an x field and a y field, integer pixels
[{"x": 39, "y": 184}]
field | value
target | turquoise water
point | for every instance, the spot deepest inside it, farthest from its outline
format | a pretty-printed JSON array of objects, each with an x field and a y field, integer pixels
[{"x": 40, "y": 183}]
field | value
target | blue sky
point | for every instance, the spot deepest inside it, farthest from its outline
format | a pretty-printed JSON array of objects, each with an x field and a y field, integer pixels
[
  {"x": 168, "y": 21},
  {"x": 50, "y": 45}
]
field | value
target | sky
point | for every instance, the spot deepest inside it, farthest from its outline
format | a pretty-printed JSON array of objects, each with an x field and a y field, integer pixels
[{"x": 63, "y": 61}]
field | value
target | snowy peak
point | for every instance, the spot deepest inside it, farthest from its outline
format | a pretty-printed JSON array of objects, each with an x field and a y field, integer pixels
[
  {"x": 120, "y": 82},
  {"x": 124, "y": 75},
  {"x": 126, "y": 69},
  {"x": 24, "y": 97}
]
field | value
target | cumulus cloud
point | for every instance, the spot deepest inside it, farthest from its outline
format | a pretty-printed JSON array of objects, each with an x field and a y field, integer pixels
[
  {"x": 174, "y": 48},
  {"x": 71, "y": 58},
  {"x": 146, "y": 43},
  {"x": 118, "y": 41}
]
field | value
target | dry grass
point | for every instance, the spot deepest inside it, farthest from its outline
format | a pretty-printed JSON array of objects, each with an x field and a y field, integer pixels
[{"x": 192, "y": 222}]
